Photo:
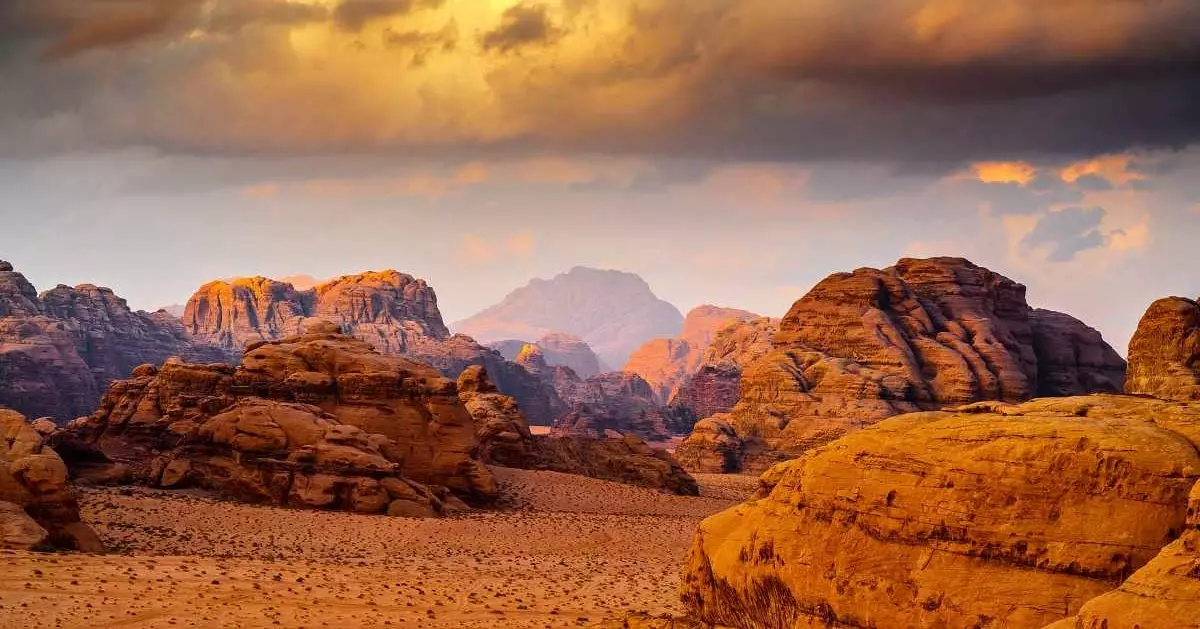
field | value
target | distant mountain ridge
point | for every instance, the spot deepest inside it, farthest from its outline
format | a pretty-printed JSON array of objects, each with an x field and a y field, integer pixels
[{"x": 614, "y": 312}]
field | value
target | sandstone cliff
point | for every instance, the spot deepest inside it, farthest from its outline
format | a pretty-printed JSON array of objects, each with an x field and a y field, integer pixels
[
  {"x": 611, "y": 311},
  {"x": 1164, "y": 354},
  {"x": 993, "y": 515},
  {"x": 319, "y": 420},
  {"x": 559, "y": 350},
  {"x": 716, "y": 385},
  {"x": 921, "y": 335},
  {"x": 59, "y": 351},
  {"x": 396, "y": 313},
  {"x": 668, "y": 363},
  {"x": 37, "y": 505},
  {"x": 505, "y": 440}
]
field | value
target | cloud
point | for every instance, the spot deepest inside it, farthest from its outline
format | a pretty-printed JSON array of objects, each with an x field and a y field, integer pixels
[
  {"x": 354, "y": 14},
  {"x": 932, "y": 84},
  {"x": 1067, "y": 232},
  {"x": 475, "y": 250}
]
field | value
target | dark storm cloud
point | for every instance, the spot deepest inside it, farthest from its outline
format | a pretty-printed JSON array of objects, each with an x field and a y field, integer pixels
[
  {"x": 522, "y": 25},
  {"x": 353, "y": 14},
  {"x": 1068, "y": 232}
]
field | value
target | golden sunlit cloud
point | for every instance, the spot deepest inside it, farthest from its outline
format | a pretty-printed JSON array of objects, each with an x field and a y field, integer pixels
[
  {"x": 1005, "y": 172},
  {"x": 1116, "y": 169}
]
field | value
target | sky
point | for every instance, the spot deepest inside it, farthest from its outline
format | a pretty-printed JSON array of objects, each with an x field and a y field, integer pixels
[{"x": 732, "y": 152}]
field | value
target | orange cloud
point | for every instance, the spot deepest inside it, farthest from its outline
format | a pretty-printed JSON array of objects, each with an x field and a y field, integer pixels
[
  {"x": 261, "y": 191},
  {"x": 1116, "y": 169},
  {"x": 1004, "y": 172}
]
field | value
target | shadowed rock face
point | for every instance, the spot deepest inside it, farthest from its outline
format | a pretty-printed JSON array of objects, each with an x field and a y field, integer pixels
[
  {"x": 59, "y": 351},
  {"x": 37, "y": 505},
  {"x": 1017, "y": 514},
  {"x": 396, "y": 313},
  {"x": 505, "y": 440},
  {"x": 559, "y": 350},
  {"x": 667, "y": 364},
  {"x": 1164, "y": 354},
  {"x": 319, "y": 420},
  {"x": 716, "y": 385},
  {"x": 921, "y": 335},
  {"x": 613, "y": 312}
]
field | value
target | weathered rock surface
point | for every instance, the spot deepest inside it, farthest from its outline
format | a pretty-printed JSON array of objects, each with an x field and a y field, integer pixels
[
  {"x": 921, "y": 335},
  {"x": 396, "y": 313},
  {"x": 668, "y": 363},
  {"x": 1164, "y": 354},
  {"x": 616, "y": 402},
  {"x": 37, "y": 504},
  {"x": 559, "y": 350},
  {"x": 505, "y": 440},
  {"x": 716, "y": 386},
  {"x": 994, "y": 515},
  {"x": 614, "y": 312},
  {"x": 60, "y": 351},
  {"x": 319, "y": 420}
]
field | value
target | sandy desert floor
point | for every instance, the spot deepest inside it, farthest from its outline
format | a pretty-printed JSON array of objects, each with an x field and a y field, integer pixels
[{"x": 566, "y": 551}]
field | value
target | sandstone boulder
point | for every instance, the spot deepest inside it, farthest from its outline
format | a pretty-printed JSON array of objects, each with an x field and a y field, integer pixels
[
  {"x": 37, "y": 504},
  {"x": 1164, "y": 354},
  {"x": 994, "y": 515},
  {"x": 320, "y": 420}
]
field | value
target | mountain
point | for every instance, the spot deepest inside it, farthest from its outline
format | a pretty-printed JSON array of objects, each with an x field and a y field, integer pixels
[
  {"x": 921, "y": 335},
  {"x": 668, "y": 363},
  {"x": 558, "y": 350},
  {"x": 60, "y": 350},
  {"x": 394, "y": 312},
  {"x": 612, "y": 311}
]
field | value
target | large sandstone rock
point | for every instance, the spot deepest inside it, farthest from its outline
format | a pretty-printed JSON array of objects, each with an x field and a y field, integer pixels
[
  {"x": 615, "y": 402},
  {"x": 394, "y": 312},
  {"x": 612, "y": 311},
  {"x": 1164, "y": 354},
  {"x": 921, "y": 335},
  {"x": 505, "y": 440},
  {"x": 716, "y": 385},
  {"x": 59, "y": 351},
  {"x": 668, "y": 363},
  {"x": 320, "y": 420},
  {"x": 994, "y": 515},
  {"x": 37, "y": 503}
]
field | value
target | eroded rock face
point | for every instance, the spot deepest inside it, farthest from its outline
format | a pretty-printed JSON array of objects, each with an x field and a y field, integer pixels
[
  {"x": 505, "y": 440},
  {"x": 992, "y": 515},
  {"x": 612, "y": 311},
  {"x": 559, "y": 350},
  {"x": 60, "y": 351},
  {"x": 320, "y": 420},
  {"x": 922, "y": 335},
  {"x": 668, "y": 363},
  {"x": 395, "y": 312},
  {"x": 616, "y": 402},
  {"x": 1164, "y": 354},
  {"x": 716, "y": 386},
  {"x": 37, "y": 503}
]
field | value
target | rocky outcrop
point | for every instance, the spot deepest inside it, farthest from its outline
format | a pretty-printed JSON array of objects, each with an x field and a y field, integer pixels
[
  {"x": 616, "y": 402},
  {"x": 921, "y": 335},
  {"x": 668, "y": 364},
  {"x": 394, "y": 312},
  {"x": 37, "y": 505},
  {"x": 716, "y": 386},
  {"x": 505, "y": 440},
  {"x": 991, "y": 515},
  {"x": 59, "y": 351},
  {"x": 611, "y": 311},
  {"x": 1164, "y": 354},
  {"x": 319, "y": 420},
  {"x": 559, "y": 350}
]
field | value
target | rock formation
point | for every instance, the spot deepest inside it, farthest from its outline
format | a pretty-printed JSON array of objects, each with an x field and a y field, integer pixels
[
  {"x": 1164, "y": 354},
  {"x": 992, "y": 515},
  {"x": 559, "y": 350},
  {"x": 716, "y": 385},
  {"x": 505, "y": 440},
  {"x": 613, "y": 312},
  {"x": 668, "y": 363},
  {"x": 37, "y": 504},
  {"x": 59, "y": 351},
  {"x": 319, "y": 420},
  {"x": 921, "y": 335},
  {"x": 396, "y": 313}
]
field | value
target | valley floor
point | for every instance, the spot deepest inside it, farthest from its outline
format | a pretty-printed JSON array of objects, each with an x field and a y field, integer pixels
[{"x": 566, "y": 551}]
